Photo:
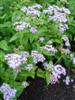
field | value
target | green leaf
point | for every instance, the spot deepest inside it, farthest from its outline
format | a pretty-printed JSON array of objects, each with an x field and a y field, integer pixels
[
  {"x": 16, "y": 15},
  {"x": 24, "y": 74},
  {"x": 48, "y": 77},
  {"x": 6, "y": 24},
  {"x": 41, "y": 73},
  {"x": 18, "y": 86},
  {"x": 1, "y": 55},
  {"x": 10, "y": 75},
  {"x": 68, "y": 62},
  {"x": 4, "y": 45},
  {"x": 15, "y": 37}
]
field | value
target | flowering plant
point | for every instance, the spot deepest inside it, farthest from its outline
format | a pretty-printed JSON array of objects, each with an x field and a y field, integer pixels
[{"x": 35, "y": 39}]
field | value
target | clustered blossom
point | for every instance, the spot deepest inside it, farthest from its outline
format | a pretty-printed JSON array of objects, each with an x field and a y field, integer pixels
[
  {"x": 33, "y": 30},
  {"x": 8, "y": 92},
  {"x": 68, "y": 80},
  {"x": 25, "y": 84},
  {"x": 15, "y": 60},
  {"x": 23, "y": 56},
  {"x": 29, "y": 67},
  {"x": 65, "y": 51},
  {"x": 58, "y": 15},
  {"x": 49, "y": 48},
  {"x": 31, "y": 10},
  {"x": 37, "y": 57},
  {"x": 66, "y": 40},
  {"x": 46, "y": 65},
  {"x": 19, "y": 26},
  {"x": 58, "y": 70},
  {"x": 63, "y": 27}
]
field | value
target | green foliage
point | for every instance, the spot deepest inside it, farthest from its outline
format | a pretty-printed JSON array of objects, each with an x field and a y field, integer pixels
[{"x": 12, "y": 41}]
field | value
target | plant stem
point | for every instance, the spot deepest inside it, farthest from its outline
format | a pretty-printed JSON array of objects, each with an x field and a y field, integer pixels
[{"x": 58, "y": 59}]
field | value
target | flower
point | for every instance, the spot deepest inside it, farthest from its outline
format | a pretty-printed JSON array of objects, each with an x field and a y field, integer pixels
[
  {"x": 68, "y": 80},
  {"x": 25, "y": 84},
  {"x": 33, "y": 30},
  {"x": 23, "y": 56},
  {"x": 71, "y": 55},
  {"x": 65, "y": 51},
  {"x": 67, "y": 43},
  {"x": 55, "y": 77},
  {"x": 49, "y": 48},
  {"x": 29, "y": 67},
  {"x": 13, "y": 60},
  {"x": 66, "y": 11},
  {"x": 54, "y": 80},
  {"x": 59, "y": 69},
  {"x": 58, "y": 15},
  {"x": 21, "y": 26},
  {"x": 37, "y": 57},
  {"x": 8, "y": 93},
  {"x": 66, "y": 40},
  {"x": 24, "y": 9},
  {"x": 31, "y": 10},
  {"x": 63, "y": 27},
  {"x": 73, "y": 60},
  {"x": 45, "y": 64}
]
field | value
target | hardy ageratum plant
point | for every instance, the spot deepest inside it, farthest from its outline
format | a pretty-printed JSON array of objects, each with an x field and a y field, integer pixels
[{"x": 40, "y": 35}]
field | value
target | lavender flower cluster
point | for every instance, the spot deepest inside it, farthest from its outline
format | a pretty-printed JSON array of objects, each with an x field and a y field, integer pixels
[
  {"x": 49, "y": 48},
  {"x": 15, "y": 60},
  {"x": 55, "y": 13},
  {"x": 25, "y": 84},
  {"x": 29, "y": 67},
  {"x": 58, "y": 70},
  {"x": 8, "y": 93},
  {"x": 37, "y": 57},
  {"x": 58, "y": 15},
  {"x": 32, "y": 10},
  {"x": 66, "y": 40},
  {"x": 65, "y": 50},
  {"x": 19, "y": 26},
  {"x": 68, "y": 80}
]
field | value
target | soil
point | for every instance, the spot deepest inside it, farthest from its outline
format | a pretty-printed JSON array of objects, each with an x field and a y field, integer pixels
[{"x": 38, "y": 90}]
